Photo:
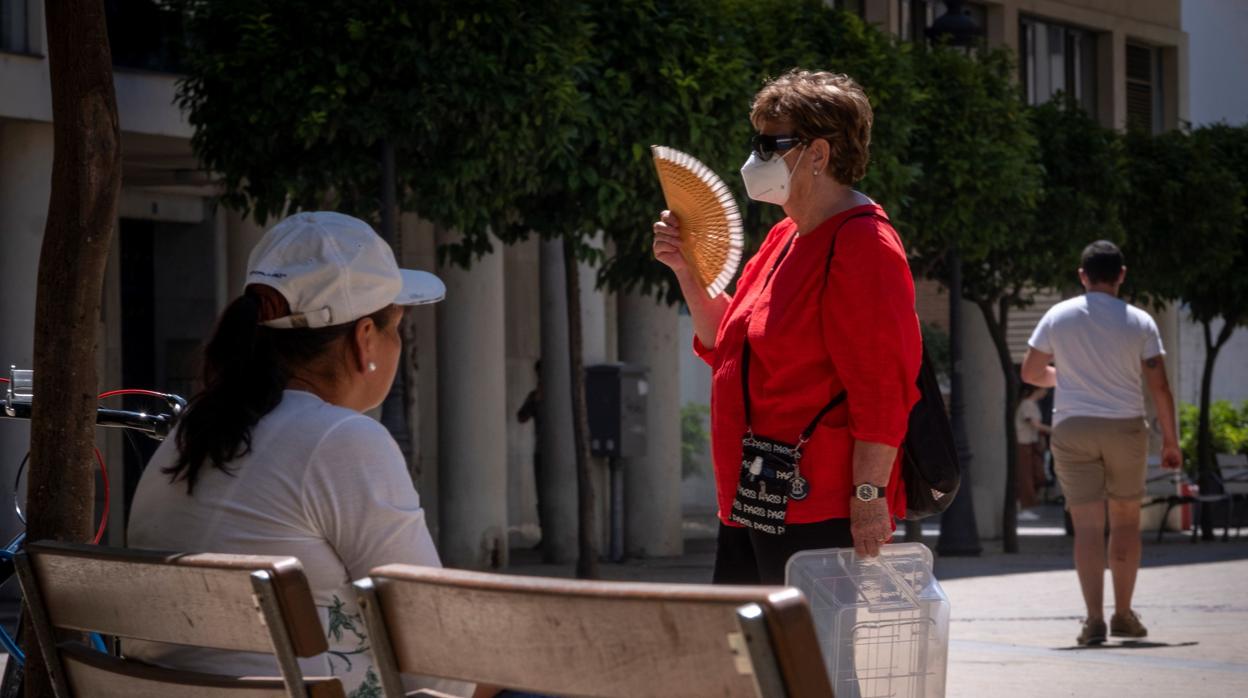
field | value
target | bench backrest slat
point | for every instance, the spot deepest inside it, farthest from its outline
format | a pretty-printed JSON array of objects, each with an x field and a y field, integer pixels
[
  {"x": 579, "y": 638},
  {"x": 222, "y": 602},
  {"x": 190, "y": 599}
]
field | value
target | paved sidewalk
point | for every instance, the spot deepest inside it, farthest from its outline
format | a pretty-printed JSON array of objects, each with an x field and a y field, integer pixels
[{"x": 1014, "y": 618}]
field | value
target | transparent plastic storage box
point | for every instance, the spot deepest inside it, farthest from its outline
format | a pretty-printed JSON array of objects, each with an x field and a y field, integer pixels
[{"x": 883, "y": 623}]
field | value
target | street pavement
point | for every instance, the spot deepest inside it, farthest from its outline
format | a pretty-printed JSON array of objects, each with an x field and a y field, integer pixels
[{"x": 1014, "y": 617}]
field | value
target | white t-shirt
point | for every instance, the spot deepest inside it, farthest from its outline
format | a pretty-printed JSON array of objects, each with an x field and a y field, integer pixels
[
  {"x": 1097, "y": 342},
  {"x": 322, "y": 483},
  {"x": 1027, "y": 410}
]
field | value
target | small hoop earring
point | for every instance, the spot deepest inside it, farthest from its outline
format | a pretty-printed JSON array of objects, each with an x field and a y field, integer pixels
[{"x": 372, "y": 366}]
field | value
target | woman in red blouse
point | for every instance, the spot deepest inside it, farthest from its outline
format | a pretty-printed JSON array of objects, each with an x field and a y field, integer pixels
[{"x": 823, "y": 323}]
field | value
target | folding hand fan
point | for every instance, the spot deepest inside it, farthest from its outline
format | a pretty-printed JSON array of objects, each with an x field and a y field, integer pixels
[{"x": 710, "y": 223}]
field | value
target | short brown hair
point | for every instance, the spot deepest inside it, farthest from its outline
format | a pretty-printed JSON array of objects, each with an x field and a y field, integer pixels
[{"x": 823, "y": 105}]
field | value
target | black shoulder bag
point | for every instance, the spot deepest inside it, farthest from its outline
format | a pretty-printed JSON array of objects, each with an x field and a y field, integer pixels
[{"x": 929, "y": 468}]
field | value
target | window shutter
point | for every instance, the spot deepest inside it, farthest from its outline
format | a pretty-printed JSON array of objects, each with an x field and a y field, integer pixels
[{"x": 1140, "y": 88}]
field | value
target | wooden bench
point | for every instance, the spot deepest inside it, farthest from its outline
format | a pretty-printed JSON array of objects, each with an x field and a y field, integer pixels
[
  {"x": 567, "y": 637},
  {"x": 227, "y": 602}
]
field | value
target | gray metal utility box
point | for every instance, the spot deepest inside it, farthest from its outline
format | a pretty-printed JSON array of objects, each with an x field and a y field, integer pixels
[{"x": 616, "y": 398}]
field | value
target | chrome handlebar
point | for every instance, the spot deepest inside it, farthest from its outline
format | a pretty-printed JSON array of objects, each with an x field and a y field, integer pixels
[{"x": 19, "y": 398}]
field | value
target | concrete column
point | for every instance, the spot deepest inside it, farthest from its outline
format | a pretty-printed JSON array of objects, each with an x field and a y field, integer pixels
[
  {"x": 25, "y": 180},
  {"x": 524, "y": 347},
  {"x": 472, "y": 388},
  {"x": 557, "y": 482},
  {"x": 598, "y": 337},
  {"x": 649, "y": 334},
  {"x": 985, "y": 421},
  {"x": 420, "y": 337}
]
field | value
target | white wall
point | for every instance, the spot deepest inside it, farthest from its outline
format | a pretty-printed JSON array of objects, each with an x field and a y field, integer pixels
[
  {"x": 1219, "y": 59},
  {"x": 1230, "y": 373}
]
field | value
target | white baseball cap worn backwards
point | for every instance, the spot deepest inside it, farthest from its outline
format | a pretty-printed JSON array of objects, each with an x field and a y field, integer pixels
[{"x": 334, "y": 269}]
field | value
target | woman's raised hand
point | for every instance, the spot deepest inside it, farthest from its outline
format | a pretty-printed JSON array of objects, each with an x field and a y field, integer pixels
[{"x": 667, "y": 244}]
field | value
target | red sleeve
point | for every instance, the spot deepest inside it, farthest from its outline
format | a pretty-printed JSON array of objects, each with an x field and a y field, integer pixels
[
  {"x": 871, "y": 331},
  {"x": 749, "y": 273},
  {"x": 707, "y": 355}
]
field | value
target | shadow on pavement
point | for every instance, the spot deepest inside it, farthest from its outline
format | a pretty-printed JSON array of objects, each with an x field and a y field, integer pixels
[
  {"x": 1127, "y": 645},
  {"x": 1044, "y": 546}
]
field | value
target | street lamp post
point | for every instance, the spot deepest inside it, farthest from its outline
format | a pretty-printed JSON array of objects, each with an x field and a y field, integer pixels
[{"x": 959, "y": 532}]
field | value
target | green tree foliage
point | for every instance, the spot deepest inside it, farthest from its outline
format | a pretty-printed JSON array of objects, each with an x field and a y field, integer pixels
[
  {"x": 979, "y": 181},
  {"x": 1182, "y": 212},
  {"x": 290, "y": 101},
  {"x": 1228, "y": 429},
  {"x": 1083, "y": 189},
  {"x": 660, "y": 72}
]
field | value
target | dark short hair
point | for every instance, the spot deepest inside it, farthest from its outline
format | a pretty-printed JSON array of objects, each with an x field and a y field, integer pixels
[{"x": 1102, "y": 261}]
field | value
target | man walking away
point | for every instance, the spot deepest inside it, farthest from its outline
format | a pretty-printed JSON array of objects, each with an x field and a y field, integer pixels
[{"x": 1100, "y": 438}]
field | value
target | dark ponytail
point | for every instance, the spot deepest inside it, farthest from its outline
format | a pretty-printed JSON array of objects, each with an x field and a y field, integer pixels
[{"x": 246, "y": 368}]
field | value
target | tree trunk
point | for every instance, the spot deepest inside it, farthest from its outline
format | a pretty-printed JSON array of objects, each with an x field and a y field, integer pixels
[
  {"x": 1206, "y": 460},
  {"x": 82, "y": 214},
  {"x": 997, "y": 325},
  {"x": 587, "y": 528}
]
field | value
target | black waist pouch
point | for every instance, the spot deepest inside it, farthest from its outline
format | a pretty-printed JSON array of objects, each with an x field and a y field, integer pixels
[{"x": 770, "y": 476}]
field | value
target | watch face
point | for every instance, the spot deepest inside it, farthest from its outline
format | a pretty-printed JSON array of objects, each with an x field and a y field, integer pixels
[{"x": 866, "y": 492}]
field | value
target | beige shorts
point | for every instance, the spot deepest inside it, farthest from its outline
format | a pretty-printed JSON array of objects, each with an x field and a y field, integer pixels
[{"x": 1096, "y": 458}]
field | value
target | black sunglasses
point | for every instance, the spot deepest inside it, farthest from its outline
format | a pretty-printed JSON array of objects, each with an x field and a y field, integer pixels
[{"x": 766, "y": 146}]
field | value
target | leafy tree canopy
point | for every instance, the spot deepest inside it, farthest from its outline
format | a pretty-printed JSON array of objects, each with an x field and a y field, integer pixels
[
  {"x": 979, "y": 181},
  {"x": 1182, "y": 212}
]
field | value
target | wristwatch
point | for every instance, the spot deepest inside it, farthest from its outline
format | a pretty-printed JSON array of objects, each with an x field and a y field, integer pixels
[{"x": 867, "y": 492}]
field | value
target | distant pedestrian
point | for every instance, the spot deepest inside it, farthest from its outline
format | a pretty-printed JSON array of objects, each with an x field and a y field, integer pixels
[
  {"x": 1101, "y": 346},
  {"x": 1030, "y": 431},
  {"x": 531, "y": 410}
]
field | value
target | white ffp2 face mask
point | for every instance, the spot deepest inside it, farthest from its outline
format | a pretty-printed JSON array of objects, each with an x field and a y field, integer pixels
[{"x": 768, "y": 180}]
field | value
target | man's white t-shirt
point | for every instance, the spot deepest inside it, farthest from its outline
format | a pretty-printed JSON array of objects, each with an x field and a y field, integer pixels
[
  {"x": 321, "y": 483},
  {"x": 1097, "y": 342}
]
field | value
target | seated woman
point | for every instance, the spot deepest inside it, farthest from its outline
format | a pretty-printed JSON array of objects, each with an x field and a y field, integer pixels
[{"x": 274, "y": 457}]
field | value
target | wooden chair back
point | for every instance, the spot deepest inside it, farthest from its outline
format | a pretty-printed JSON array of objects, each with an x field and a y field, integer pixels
[
  {"x": 568, "y": 637},
  {"x": 241, "y": 603}
]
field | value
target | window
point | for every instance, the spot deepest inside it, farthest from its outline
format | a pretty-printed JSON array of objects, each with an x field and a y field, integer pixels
[
  {"x": 1145, "y": 104},
  {"x": 144, "y": 34},
  {"x": 1056, "y": 58},
  {"x": 915, "y": 16},
  {"x": 13, "y": 26}
]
